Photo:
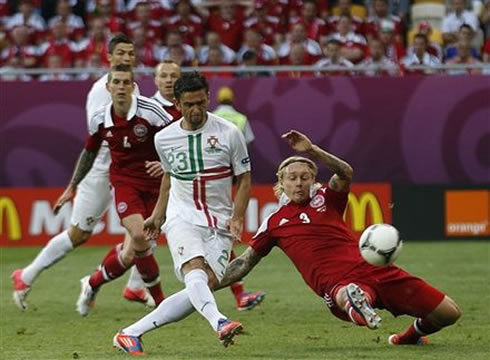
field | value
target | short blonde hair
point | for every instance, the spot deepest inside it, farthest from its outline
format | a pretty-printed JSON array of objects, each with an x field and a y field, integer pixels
[{"x": 278, "y": 188}]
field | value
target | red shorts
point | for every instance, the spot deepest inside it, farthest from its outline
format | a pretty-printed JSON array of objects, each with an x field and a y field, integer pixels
[
  {"x": 132, "y": 199},
  {"x": 393, "y": 289}
]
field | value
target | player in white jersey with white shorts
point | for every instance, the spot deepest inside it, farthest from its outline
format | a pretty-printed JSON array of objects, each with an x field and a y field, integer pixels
[
  {"x": 200, "y": 153},
  {"x": 93, "y": 197}
]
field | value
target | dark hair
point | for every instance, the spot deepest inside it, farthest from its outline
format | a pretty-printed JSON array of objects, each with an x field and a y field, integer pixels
[
  {"x": 190, "y": 82},
  {"x": 249, "y": 55},
  {"x": 121, "y": 68},
  {"x": 118, "y": 39},
  {"x": 421, "y": 36},
  {"x": 466, "y": 26}
]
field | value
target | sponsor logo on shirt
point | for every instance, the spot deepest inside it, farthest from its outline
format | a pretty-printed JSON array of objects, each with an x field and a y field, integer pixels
[
  {"x": 245, "y": 161},
  {"x": 317, "y": 201}
]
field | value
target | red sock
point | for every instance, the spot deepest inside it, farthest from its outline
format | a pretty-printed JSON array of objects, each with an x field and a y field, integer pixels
[
  {"x": 148, "y": 268},
  {"x": 237, "y": 289},
  {"x": 111, "y": 269},
  {"x": 419, "y": 327}
]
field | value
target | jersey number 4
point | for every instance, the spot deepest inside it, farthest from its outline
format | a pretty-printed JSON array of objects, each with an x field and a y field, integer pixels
[
  {"x": 304, "y": 218},
  {"x": 126, "y": 142}
]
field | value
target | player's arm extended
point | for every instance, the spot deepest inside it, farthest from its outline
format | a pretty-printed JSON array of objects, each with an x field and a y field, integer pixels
[
  {"x": 240, "y": 203},
  {"x": 342, "y": 178},
  {"x": 240, "y": 267},
  {"x": 157, "y": 218}
]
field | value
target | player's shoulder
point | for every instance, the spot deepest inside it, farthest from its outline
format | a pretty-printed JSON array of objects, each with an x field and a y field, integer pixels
[
  {"x": 147, "y": 107},
  {"x": 168, "y": 132},
  {"x": 97, "y": 118},
  {"x": 268, "y": 222},
  {"x": 99, "y": 85}
]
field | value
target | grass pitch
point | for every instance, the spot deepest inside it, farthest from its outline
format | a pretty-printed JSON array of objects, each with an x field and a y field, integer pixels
[{"x": 291, "y": 323}]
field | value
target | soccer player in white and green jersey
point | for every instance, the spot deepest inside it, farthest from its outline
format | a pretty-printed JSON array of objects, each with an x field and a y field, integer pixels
[{"x": 200, "y": 153}]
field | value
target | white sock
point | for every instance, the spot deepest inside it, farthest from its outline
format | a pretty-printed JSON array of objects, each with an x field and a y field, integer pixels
[
  {"x": 55, "y": 250},
  {"x": 135, "y": 281},
  {"x": 196, "y": 284},
  {"x": 172, "y": 309}
]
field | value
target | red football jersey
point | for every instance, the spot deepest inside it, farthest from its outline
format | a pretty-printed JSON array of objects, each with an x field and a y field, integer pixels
[
  {"x": 315, "y": 237},
  {"x": 130, "y": 140}
]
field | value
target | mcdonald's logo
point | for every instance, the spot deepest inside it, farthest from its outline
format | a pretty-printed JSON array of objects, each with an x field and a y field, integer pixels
[
  {"x": 362, "y": 206},
  {"x": 9, "y": 213}
]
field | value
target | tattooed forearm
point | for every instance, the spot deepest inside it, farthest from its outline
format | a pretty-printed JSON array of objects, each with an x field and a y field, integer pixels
[
  {"x": 84, "y": 164},
  {"x": 339, "y": 166},
  {"x": 240, "y": 267}
]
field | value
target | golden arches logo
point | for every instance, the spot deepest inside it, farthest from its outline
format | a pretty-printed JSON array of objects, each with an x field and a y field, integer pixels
[
  {"x": 359, "y": 205},
  {"x": 9, "y": 212}
]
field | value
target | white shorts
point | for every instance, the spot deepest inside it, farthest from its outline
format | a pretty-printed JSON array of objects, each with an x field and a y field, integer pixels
[
  {"x": 94, "y": 195},
  {"x": 187, "y": 241}
]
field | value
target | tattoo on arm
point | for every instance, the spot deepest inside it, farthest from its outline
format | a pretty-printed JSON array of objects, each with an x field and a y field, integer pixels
[
  {"x": 83, "y": 166},
  {"x": 240, "y": 267}
]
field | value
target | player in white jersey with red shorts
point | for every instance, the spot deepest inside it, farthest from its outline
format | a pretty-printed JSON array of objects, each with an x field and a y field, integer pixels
[
  {"x": 200, "y": 153},
  {"x": 93, "y": 197}
]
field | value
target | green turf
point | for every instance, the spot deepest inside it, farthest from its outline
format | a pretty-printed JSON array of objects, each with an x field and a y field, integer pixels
[{"x": 292, "y": 323}]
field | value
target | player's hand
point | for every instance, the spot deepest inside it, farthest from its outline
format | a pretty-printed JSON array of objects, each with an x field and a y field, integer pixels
[
  {"x": 235, "y": 225},
  {"x": 67, "y": 195},
  {"x": 298, "y": 141},
  {"x": 152, "y": 227},
  {"x": 154, "y": 168}
]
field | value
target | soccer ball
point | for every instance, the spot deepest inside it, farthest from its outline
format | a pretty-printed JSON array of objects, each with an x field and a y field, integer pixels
[{"x": 380, "y": 244}]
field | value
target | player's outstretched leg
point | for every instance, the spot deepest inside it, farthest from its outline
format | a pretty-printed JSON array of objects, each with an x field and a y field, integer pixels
[
  {"x": 446, "y": 313},
  {"x": 20, "y": 289},
  {"x": 356, "y": 303},
  {"x": 86, "y": 299}
]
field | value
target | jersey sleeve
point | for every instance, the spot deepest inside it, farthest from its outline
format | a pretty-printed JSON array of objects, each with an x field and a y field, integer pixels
[
  {"x": 154, "y": 112},
  {"x": 262, "y": 242},
  {"x": 239, "y": 153},
  {"x": 93, "y": 143},
  {"x": 336, "y": 199}
]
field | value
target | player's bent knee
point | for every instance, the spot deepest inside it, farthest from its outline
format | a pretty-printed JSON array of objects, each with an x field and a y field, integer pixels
[
  {"x": 447, "y": 313},
  {"x": 78, "y": 236}
]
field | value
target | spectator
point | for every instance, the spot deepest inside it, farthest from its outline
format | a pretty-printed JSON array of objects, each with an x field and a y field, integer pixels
[
  {"x": 226, "y": 111},
  {"x": 453, "y": 21},
  {"x": 267, "y": 26},
  {"x": 176, "y": 50},
  {"x": 97, "y": 42},
  {"x": 333, "y": 57},
  {"x": 26, "y": 16},
  {"x": 485, "y": 19},
  {"x": 298, "y": 35},
  {"x": 433, "y": 48},
  {"x": 152, "y": 28},
  {"x": 464, "y": 57},
  {"x": 465, "y": 33},
  {"x": 420, "y": 56},
  {"x": 94, "y": 61},
  {"x": 158, "y": 9},
  {"x": 215, "y": 58},
  {"x": 377, "y": 62},
  {"x": 74, "y": 24},
  {"x": 59, "y": 44},
  {"x": 110, "y": 13},
  {"x": 227, "y": 24},
  {"x": 26, "y": 55},
  {"x": 345, "y": 10},
  {"x": 394, "y": 49},
  {"x": 486, "y": 51},
  {"x": 297, "y": 56},
  {"x": 280, "y": 10},
  {"x": 381, "y": 14},
  {"x": 213, "y": 40},
  {"x": 249, "y": 58},
  {"x": 266, "y": 55},
  {"x": 188, "y": 24},
  {"x": 353, "y": 46},
  {"x": 14, "y": 63},
  {"x": 316, "y": 28},
  {"x": 55, "y": 61},
  {"x": 144, "y": 48}
]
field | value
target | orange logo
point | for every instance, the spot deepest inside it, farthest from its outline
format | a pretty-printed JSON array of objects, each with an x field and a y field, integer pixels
[{"x": 467, "y": 212}]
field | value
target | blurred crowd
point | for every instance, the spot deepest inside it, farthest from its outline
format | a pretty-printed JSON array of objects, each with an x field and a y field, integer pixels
[{"x": 338, "y": 34}]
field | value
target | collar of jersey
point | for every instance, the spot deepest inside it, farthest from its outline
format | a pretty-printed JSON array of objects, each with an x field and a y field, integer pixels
[{"x": 132, "y": 112}]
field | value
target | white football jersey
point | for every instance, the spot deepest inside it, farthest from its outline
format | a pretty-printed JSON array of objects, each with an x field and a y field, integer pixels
[
  {"x": 97, "y": 98},
  {"x": 202, "y": 164}
]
